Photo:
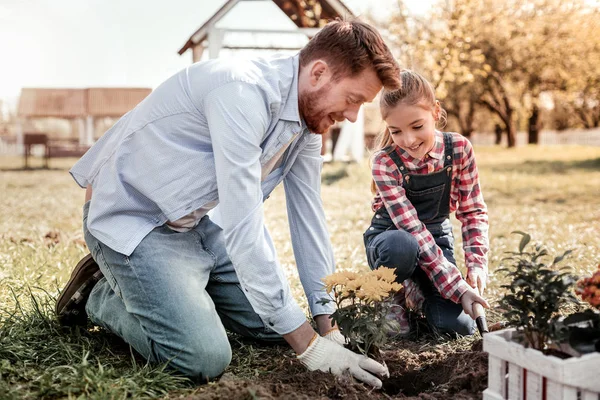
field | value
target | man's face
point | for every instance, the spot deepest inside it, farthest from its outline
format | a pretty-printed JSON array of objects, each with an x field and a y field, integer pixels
[{"x": 325, "y": 100}]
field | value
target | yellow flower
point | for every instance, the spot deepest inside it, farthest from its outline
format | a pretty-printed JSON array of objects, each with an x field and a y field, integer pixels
[
  {"x": 396, "y": 287},
  {"x": 351, "y": 287},
  {"x": 339, "y": 278},
  {"x": 372, "y": 290},
  {"x": 385, "y": 274}
]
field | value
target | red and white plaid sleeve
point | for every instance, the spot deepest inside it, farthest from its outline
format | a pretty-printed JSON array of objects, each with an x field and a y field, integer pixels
[
  {"x": 471, "y": 210},
  {"x": 445, "y": 276}
]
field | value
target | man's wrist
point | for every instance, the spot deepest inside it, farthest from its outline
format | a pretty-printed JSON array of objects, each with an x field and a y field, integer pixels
[{"x": 300, "y": 338}]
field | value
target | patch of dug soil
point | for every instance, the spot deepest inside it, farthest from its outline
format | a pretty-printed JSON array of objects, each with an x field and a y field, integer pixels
[
  {"x": 418, "y": 371},
  {"x": 437, "y": 374}
]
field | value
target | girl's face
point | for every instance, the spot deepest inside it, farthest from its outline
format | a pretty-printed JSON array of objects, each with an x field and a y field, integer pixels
[{"x": 412, "y": 127}]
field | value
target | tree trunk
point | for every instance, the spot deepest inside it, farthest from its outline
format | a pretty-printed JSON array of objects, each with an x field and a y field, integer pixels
[
  {"x": 469, "y": 118},
  {"x": 511, "y": 136},
  {"x": 498, "y": 102},
  {"x": 498, "y": 133},
  {"x": 534, "y": 126}
]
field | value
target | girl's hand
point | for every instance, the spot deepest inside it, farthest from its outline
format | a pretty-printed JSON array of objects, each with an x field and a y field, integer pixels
[
  {"x": 469, "y": 298},
  {"x": 477, "y": 279}
]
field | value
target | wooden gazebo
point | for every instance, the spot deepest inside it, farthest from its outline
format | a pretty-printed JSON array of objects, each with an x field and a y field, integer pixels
[{"x": 307, "y": 15}]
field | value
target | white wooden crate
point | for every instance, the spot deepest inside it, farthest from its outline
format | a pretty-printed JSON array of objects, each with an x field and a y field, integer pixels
[{"x": 519, "y": 373}]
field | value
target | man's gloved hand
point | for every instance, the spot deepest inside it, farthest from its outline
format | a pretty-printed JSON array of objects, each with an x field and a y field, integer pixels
[
  {"x": 327, "y": 356},
  {"x": 335, "y": 336}
]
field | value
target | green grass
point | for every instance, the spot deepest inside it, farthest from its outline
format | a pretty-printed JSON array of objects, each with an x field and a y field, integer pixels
[{"x": 549, "y": 192}]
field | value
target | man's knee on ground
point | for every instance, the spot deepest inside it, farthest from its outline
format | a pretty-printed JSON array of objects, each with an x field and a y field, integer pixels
[{"x": 201, "y": 361}]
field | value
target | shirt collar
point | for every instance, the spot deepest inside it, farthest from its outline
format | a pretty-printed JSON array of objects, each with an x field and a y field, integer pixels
[
  {"x": 437, "y": 150},
  {"x": 290, "y": 110}
]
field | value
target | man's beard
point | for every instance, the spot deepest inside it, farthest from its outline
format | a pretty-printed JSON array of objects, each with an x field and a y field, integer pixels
[{"x": 309, "y": 105}]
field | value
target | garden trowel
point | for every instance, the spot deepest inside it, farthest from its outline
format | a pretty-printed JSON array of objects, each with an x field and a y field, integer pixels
[{"x": 479, "y": 314}]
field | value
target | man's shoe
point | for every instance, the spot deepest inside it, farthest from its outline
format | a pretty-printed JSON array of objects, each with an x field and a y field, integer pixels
[{"x": 70, "y": 306}]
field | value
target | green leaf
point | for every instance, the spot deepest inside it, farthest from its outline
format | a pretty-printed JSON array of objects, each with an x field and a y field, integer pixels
[
  {"x": 524, "y": 240},
  {"x": 562, "y": 257}
]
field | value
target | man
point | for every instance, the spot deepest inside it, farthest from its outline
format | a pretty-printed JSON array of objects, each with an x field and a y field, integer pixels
[{"x": 170, "y": 281}]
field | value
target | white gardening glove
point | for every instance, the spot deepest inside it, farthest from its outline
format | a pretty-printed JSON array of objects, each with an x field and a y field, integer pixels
[
  {"x": 327, "y": 356},
  {"x": 335, "y": 336}
]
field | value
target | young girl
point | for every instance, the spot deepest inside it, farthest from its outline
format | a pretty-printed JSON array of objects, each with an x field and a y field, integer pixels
[{"x": 420, "y": 176}]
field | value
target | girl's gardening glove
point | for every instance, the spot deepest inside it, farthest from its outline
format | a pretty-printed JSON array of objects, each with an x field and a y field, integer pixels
[
  {"x": 335, "y": 336},
  {"x": 327, "y": 356}
]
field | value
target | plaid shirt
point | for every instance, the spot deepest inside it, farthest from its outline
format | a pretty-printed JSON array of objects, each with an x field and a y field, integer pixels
[{"x": 465, "y": 199}]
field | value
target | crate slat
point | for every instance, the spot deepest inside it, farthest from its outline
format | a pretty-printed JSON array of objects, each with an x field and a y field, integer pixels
[
  {"x": 534, "y": 386},
  {"x": 491, "y": 395},
  {"x": 515, "y": 382},
  {"x": 576, "y": 372},
  {"x": 497, "y": 376},
  {"x": 587, "y": 395}
]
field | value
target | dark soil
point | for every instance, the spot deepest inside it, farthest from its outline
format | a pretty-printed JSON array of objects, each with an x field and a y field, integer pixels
[{"x": 418, "y": 370}]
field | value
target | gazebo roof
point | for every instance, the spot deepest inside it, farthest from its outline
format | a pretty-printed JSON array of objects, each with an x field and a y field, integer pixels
[
  {"x": 304, "y": 13},
  {"x": 76, "y": 103}
]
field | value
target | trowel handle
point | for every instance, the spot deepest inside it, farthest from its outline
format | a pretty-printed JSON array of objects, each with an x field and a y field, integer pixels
[
  {"x": 478, "y": 310},
  {"x": 479, "y": 314}
]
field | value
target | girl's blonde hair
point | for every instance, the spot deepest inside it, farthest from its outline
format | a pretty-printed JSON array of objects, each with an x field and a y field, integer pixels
[{"x": 415, "y": 90}]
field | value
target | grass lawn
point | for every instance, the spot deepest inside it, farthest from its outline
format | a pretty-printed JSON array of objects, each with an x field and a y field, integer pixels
[{"x": 553, "y": 193}]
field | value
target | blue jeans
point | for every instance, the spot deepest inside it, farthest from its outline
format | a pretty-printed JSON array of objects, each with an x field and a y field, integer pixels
[
  {"x": 173, "y": 298},
  {"x": 399, "y": 249}
]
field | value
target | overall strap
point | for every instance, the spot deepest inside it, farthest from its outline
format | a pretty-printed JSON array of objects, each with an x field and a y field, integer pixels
[
  {"x": 448, "y": 149},
  {"x": 391, "y": 151}
]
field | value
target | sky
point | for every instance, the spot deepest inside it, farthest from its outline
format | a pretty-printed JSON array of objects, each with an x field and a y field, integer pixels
[{"x": 121, "y": 43}]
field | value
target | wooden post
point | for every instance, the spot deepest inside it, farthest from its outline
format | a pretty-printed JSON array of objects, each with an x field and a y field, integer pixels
[
  {"x": 19, "y": 130},
  {"x": 215, "y": 42},
  {"x": 81, "y": 130},
  {"x": 197, "y": 51},
  {"x": 89, "y": 131}
]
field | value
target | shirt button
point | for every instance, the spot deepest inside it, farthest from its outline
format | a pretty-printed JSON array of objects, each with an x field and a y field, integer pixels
[{"x": 271, "y": 324}]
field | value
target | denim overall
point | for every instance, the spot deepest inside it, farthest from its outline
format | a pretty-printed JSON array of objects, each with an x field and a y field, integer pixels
[{"x": 385, "y": 245}]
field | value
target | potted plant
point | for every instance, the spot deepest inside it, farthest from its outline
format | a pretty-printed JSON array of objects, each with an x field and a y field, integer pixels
[{"x": 523, "y": 360}]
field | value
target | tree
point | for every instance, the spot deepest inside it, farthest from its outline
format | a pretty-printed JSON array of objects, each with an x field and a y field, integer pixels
[{"x": 502, "y": 56}]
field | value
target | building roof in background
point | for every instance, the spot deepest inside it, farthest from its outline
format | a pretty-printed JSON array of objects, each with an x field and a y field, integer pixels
[
  {"x": 304, "y": 13},
  {"x": 75, "y": 103},
  {"x": 114, "y": 102}
]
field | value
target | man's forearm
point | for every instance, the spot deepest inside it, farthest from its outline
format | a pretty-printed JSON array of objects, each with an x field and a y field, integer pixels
[{"x": 88, "y": 193}]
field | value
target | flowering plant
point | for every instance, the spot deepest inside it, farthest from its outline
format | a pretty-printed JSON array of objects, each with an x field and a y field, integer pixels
[
  {"x": 363, "y": 302},
  {"x": 589, "y": 289}
]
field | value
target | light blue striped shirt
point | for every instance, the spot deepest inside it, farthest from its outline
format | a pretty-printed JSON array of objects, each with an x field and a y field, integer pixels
[{"x": 203, "y": 136}]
